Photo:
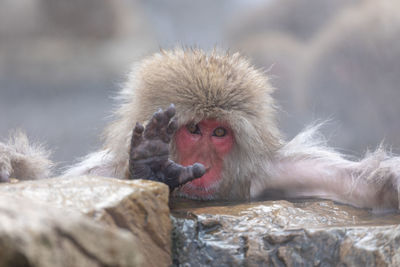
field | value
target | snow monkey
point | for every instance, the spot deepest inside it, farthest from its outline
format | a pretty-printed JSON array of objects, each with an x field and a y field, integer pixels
[{"x": 218, "y": 140}]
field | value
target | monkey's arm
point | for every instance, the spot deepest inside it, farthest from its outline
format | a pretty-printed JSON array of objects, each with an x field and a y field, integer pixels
[
  {"x": 24, "y": 161},
  {"x": 149, "y": 153},
  {"x": 306, "y": 167}
]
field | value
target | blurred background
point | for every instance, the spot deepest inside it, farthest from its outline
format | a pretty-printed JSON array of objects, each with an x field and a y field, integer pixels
[{"x": 61, "y": 61}]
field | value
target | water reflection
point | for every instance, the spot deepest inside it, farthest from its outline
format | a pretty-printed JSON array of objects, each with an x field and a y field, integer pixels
[{"x": 293, "y": 214}]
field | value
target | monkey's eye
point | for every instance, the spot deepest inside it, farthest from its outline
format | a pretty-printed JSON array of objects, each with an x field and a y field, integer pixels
[
  {"x": 219, "y": 132},
  {"x": 193, "y": 128}
]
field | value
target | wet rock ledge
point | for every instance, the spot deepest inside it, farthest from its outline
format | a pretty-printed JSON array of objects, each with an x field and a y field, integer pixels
[
  {"x": 282, "y": 233},
  {"x": 94, "y": 221},
  {"x": 84, "y": 221}
]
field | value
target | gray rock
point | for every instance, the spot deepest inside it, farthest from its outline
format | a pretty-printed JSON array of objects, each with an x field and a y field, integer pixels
[
  {"x": 36, "y": 234},
  {"x": 282, "y": 233},
  {"x": 141, "y": 207}
]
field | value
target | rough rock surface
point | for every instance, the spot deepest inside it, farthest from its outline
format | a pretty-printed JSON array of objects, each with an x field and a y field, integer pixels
[
  {"x": 141, "y": 207},
  {"x": 282, "y": 233},
  {"x": 36, "y": 234}
]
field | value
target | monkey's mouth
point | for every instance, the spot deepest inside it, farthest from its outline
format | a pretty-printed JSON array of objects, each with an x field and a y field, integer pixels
[{"x": 204, "y": 187}]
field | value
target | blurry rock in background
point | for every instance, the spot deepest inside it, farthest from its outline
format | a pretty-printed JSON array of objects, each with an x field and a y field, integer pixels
[{"x": 60, "y": 61}]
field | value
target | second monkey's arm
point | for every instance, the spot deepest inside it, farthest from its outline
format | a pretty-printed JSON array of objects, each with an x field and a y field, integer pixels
[
  {"x": 307, "y": 167},
  {"x": 149, "y": 151}
]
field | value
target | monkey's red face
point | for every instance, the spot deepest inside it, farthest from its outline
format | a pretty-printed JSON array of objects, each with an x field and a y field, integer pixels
[{"x": 207, "y": 142}]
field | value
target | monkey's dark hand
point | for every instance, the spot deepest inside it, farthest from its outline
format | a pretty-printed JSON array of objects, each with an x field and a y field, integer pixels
[{"x": 149, "y": 152}]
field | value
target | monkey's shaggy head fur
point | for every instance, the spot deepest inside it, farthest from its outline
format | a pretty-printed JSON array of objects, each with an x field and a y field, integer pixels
[{"x": 204, "y": 85}]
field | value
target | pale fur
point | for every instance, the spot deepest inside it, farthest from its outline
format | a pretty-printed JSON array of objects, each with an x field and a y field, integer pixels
[
  {"x": 226, "y": 87},
  {"x": 20, "y": 159},
  {"x": 307, "y": 167}
]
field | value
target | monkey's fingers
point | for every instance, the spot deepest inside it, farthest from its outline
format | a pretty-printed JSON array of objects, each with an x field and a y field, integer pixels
[
  {"x": 159, "y": 123},
  {"x": 177, "y": 175},
  {"x": 150, "y": 132},
  {"x": 137, "y": 135},
  {"x": 172, "y": 127},
  {"x": 170, "y": 112},
  {"x": 167, "y": 132}
]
